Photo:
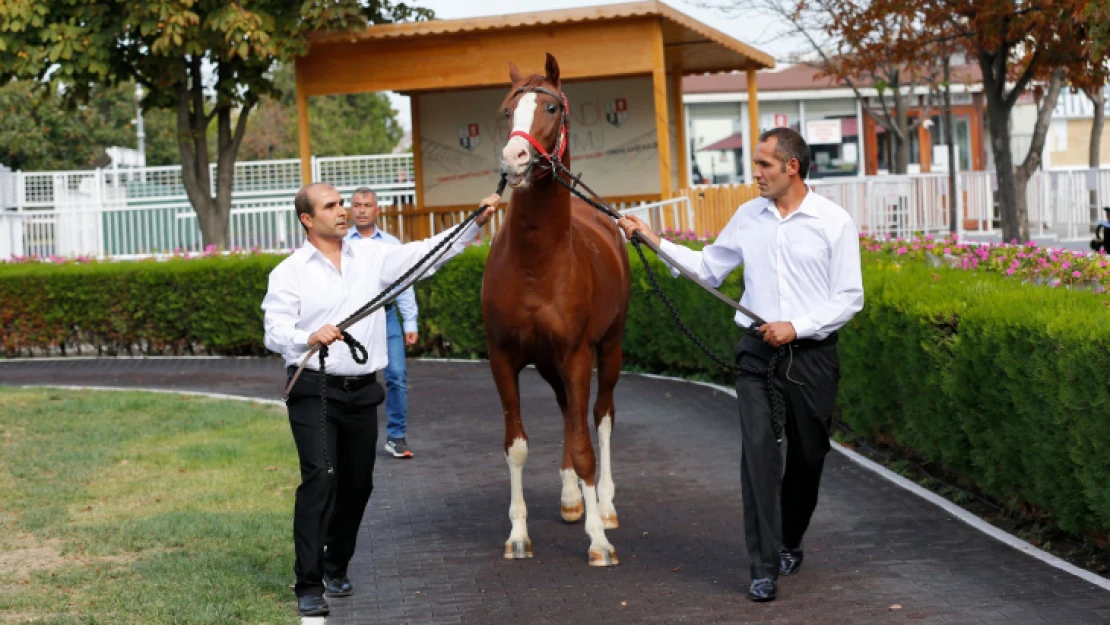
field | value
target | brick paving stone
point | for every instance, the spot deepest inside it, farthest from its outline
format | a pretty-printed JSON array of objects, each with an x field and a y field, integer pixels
[{"x": 430, "y": 545}]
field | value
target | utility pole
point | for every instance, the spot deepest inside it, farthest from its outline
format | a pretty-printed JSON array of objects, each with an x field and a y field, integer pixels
[{"x": 139, "y": 122}]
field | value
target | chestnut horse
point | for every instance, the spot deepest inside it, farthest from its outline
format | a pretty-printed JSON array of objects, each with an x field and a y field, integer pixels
[{"x": 555, "y": 294}]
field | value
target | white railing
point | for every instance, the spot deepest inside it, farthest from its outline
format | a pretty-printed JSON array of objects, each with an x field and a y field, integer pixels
[
  {"x": 128, "y": 212},
  {"x": 1058, "y": 201},
  {"x": 654, "y": 213},
  {"x": 899, "y": 205},
  {"x": 142, "y": 211},
  {"x": 161, "y": 228}
]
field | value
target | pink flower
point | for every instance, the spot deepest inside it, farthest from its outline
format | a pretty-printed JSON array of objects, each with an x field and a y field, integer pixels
[
  {"x": 1010, "y": 271},
  {"x": 1076, "y": 274},
  {"x": 901, "y": 250},
  {"x": 1065, "y": 265}
]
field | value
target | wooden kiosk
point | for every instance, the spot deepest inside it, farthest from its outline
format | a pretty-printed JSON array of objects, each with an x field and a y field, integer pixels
[{"x": 621, "y": 66}]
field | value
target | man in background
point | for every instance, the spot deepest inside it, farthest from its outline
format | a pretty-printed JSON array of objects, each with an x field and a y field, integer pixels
[{"x": 364, "y": 214}]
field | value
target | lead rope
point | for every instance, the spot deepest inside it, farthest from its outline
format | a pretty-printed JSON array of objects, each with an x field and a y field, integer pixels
[
  {"x": 774, "y": 396},
  {"x": 355, "y": 347},
  {"x": 358, "y": 350}
]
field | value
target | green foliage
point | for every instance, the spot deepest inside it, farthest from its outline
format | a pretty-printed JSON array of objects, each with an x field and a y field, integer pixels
[
  {"x": 41, "y": 131},
  {"x": 205, "y": 60},
  {"x": 171, "y": 306},
  {"x": 340, "y": 125},
  {"x": 1000, "y": 382}
]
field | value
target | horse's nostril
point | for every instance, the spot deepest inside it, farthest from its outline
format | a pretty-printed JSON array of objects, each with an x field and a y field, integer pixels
[{"x": 522, "y": 154}]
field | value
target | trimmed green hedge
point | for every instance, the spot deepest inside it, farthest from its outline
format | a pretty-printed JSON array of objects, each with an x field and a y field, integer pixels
[
  {"x": 1002, "y": 383},
  {"x": 175, "y": 306}
]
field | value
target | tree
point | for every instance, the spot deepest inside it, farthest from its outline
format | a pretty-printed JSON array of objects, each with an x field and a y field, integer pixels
[
  {"x": 1018, "y": 45},
  {"x": 1097, "y": 18},
  {"x": 340, "y": 125},
  {"x": 43, "y": 130},
  {"x": 205, "y": 60},
  {"x": 860, "y": 44}
]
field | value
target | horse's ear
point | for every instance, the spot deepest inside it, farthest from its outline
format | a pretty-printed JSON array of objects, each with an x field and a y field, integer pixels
[
  {"x": 552, "y": 68},
  {"x": 514, "y": 73}
]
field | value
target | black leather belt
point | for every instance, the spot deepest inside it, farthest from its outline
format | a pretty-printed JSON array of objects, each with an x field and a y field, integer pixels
[
  {"x": 825, "y": 342},
  {"x": 344, "y": 382}
]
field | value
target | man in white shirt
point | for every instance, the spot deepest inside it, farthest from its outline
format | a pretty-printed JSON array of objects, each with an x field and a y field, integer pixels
[
  {"x": 801, "y": 261},
  {"x": 317, "y": 286},
  {"x": 364, "y": 213}
]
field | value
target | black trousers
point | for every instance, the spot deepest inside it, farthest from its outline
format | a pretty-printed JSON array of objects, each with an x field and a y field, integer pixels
[
  {"x": 337, "y": 475},
  {"x": 780, "y": 495}
]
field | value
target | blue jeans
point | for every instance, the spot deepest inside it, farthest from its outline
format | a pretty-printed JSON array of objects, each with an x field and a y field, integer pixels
[{"x": 397, "y": 390}]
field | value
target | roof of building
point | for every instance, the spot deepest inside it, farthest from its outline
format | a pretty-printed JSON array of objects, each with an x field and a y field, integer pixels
[
  {"x": 798, "y": 77},
  {"x": 690, "y": 44}
]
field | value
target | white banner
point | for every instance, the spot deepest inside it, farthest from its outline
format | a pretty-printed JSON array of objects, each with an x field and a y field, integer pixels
[
  {"x": 613, "y": 142},
  {"x": 823, "y": 132}
]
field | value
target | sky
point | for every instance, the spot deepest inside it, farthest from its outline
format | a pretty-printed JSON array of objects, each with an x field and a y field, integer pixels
[{"x": 754, "y": 30}]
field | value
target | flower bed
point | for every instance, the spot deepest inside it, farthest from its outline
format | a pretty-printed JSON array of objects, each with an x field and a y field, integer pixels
[{"x": 1028, "y": 262}]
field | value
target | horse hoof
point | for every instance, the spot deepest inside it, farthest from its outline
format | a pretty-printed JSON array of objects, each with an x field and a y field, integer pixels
[
  {"x": 604, "y": 557},
  {"x": 610, "y": 521},
  {"x": 518, "y": 550},
  {"x": 572, "y": 514}
]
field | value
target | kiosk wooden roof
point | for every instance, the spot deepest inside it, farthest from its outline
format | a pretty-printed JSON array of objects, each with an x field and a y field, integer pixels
[{"x": 637, "y": 38}]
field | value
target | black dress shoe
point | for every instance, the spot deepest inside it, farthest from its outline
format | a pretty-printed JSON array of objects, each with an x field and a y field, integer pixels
[
  {"x": 338, "y": 587},
  {"x": 312, "y": 605},
  {"x": 790, "y": 560},
  {"x": 763, "y": 589}
]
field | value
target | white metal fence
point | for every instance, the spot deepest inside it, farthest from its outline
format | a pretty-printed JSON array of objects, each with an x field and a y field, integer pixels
[
  {"x": 133, "y": 212},
  {"x": 123, "y": 213},
  {"x": 1059, "y": 202}
]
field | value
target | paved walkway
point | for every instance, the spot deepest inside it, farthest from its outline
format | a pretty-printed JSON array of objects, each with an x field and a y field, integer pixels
[{"x": 430, "y": 550}]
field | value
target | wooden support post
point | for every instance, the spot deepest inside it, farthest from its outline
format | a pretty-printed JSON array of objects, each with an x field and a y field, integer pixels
[
  {"x": 680, "y": 130},
  {"x": 662, "y": 119},
  {"x": 421, "y": 227},
  {"x": 753, "y": 111},
  {"x": 304, "y": 140}
]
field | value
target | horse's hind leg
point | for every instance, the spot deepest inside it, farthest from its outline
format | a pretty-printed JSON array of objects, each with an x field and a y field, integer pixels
[
  {"x": 608, "y": 371},
  {"x": 506, "y": 375},
  {"x": 577, "y": 372},
  {"x": 571, "y": 506}
]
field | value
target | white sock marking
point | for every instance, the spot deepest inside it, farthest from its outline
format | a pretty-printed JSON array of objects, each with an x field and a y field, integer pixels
[
  {"x": 605, "y": 487},
  {"x": 518, "y": 512}
]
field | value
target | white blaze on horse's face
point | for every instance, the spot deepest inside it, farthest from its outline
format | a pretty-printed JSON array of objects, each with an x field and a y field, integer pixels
[{"x": 517, "y": 154}]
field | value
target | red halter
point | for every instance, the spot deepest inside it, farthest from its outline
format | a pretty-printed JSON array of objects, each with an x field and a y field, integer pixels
[{"x": 556, "y": 155}]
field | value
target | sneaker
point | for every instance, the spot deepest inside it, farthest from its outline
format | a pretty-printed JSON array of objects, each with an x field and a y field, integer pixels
[{"x": 398, "y": 448}]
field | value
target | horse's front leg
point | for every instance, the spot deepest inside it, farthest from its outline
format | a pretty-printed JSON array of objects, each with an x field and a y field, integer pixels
[
  {"x": 576, "y": 376},
  {"x": 506, "y": 374}
]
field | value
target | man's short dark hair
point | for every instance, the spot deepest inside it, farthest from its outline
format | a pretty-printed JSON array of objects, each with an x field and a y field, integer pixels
[
  {"x": 789, "y": 144},
  {"x": 303, "y": 205},
  {"x": 365, "y": 190}
]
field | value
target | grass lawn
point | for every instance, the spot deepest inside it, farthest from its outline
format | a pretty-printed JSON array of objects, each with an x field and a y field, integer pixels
[{"x": 131, "y": 507}]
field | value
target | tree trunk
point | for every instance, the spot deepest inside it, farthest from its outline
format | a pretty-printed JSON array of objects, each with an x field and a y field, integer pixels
[
  {"x": 1094, "y": 161},
  {"x": 950, "y": 136},
  {"x": 212, "y": 206},
  {"x": 1032, "y": 160},
  {"x": 901, "y": 160},
  {"x": 998, "y": 123}
]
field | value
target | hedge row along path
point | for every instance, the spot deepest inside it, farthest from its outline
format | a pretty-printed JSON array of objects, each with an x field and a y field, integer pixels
[{"x": 430, "y": 548}]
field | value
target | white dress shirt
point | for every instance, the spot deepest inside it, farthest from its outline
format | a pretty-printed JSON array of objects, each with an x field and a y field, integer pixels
[
  {"x": 306, "y": 291},
  {"x": 406, "y": 301},
  {"x": 804, "y": 268}
]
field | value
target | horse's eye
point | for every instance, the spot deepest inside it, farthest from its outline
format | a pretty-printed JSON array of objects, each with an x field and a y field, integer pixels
[
  {"x": 551, "y": 108},
  {"x": 507, "y": 113}
]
